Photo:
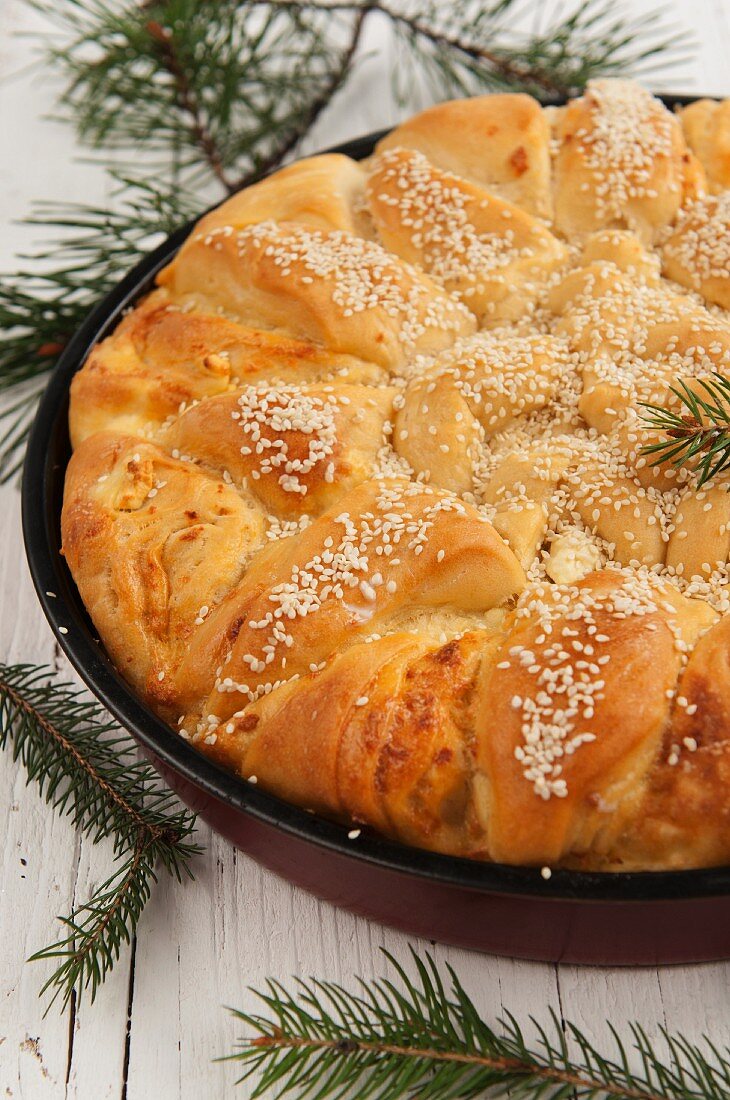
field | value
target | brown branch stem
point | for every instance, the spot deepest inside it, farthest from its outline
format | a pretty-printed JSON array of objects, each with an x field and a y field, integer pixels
[
  {"x": 478, "y": 1061},
  {"x": 506, "y": 67},
  {"x": 696, "y": 430},
  {"x": 509, "y": 69},
  {"x": 188, "y": 102},
  {"x": 274, "y": 159}
]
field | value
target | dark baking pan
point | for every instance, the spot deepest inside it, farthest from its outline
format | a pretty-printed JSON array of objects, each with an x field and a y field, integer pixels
[{"x": 634, "y": 918}]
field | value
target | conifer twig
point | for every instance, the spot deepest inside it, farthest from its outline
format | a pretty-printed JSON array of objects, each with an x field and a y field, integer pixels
[
  {"x": 187, "y": 99},
  {"x": 86, "y": 767},
  {"x": 422, "y": 1036},
  {"x": 695, "y": 427}
]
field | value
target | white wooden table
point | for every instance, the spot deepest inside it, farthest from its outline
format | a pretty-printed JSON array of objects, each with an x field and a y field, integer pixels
[{"x": 160, "y": 1019}]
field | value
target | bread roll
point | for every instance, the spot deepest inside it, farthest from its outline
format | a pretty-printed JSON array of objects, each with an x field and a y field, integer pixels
[
  {"x": 500, "y": 142},
  {"x": 491, "y": 255},
  {"x": 621, "y": 162},
  {"x": 697, "y": 254},
  {"x": 706, "y": 125},
  {"x": 342, "y": 292}
]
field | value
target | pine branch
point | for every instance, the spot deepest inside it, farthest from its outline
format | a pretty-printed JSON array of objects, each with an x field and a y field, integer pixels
[
  {"x": 697, "y": 435},
  {"x": 16, "y": 417},
  {"x": 188, "y": 101},
  {"x": 233, "y": 81},
  {"x": 224, "y": 83},
  {"x": 421, "y": 1038},
  {"x": 466, "y": 46},
  {"x": 87, "y": 768}
]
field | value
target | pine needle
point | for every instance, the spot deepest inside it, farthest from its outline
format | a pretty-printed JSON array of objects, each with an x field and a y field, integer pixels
[
  {"x": 424, "y": 1037},
  {"x": 697, "y": 435},
  {"x": 86, "y": 768}
]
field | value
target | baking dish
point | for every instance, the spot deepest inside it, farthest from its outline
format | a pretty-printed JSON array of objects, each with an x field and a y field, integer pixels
[{"x": 580, "y": 917}]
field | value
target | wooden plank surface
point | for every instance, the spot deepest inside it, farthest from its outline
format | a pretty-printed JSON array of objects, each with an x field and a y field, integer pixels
[{"x": 160, "y": 1020}]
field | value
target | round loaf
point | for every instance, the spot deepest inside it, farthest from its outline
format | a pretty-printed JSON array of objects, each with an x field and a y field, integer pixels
[{"x": 359, "y": 499}]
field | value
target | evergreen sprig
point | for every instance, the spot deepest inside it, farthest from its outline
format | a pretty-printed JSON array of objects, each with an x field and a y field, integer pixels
[
  {"x": 224, "y": 84},
  {"x": 201, "y": 98},
  {"x": 86, "y": 767},
  {"x": 697, "y": 432},
  {"x": 423, "y": 1036},
  {"x": 463, "y": 48}
]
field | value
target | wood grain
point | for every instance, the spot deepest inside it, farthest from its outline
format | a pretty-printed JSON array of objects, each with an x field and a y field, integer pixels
[{"x": 160, "y": 1020}]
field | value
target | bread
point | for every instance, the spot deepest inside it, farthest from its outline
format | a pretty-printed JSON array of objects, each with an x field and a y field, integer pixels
[
  {"x": 697, "y": 252},
  {"x": 488, "y": 253},
  {"x": 151, "y": 541},
  {"x": 706, "y": 125},
  {"x": 499, "y": 142},
  {"x": 621, "y": 162},
  {"x": 343, "y": 292},
  {"x": 359, "y": 501},
  {"x": 324, "y": 192},
  {"x": 163, "y": 357}
]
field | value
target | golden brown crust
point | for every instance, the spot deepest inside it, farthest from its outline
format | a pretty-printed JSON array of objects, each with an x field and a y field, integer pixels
[
  {"x": 309, "y": 595},
  {"x": 123, "y": 388},
  {"x": 706, "y": 125},
  {"x": 621, "y": 162},
  {"x": 573, "y": 710},
  {"x": 691, "y": 782},
  {"x": 295, "y": 448},
  {"x": 151, "y": 541},
  {"x": 347, "y": 294},
  {"x": 399, "y": 762},
  {"x": 162, "y": 357},
  {"x": 697, "y": 254},
  {"x": 360, "y": 502},
  {"x": 500, "y": 142}
]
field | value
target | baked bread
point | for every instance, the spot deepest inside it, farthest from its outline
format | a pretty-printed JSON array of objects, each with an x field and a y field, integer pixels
[
  {"x": 359, "y": 501},
  {"x": 697, "y": 252},
  {"x": 499, "y": 142},
  {"x": 621, "y": 162},
  {"x": 706, "y": 125}
]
